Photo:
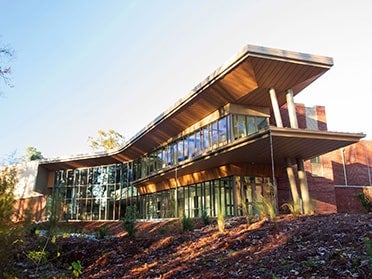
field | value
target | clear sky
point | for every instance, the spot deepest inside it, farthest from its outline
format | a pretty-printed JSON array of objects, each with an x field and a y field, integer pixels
[{"x": 81, "y": 66}]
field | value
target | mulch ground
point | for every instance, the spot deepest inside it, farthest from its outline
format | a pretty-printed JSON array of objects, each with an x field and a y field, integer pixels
[{"x": 317, "y": 246}]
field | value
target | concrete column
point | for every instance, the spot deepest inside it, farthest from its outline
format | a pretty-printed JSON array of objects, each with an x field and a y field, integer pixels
[
  {"x": 291, "y": 109},
  {"x": 292, "y": 184},
  {"x": 303, "y": 186},
  {"x": 276, "y": 110}
]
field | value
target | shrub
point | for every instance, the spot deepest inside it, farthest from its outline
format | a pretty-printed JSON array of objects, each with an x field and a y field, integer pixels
[
  {"x": 205, "y": 218},
  {"x": 129, "y": 221},
  {"x": 266, "y": 208},
  {"x": 187, "y": 224},
  {"x": 102, "y": 231},
  {"x": 9, "y": 232}
]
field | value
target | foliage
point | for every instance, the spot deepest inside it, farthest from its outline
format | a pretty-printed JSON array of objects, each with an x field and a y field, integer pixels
[
  {"x": 37, "y": 256},
  {"x": 43, "y": 252},
  {"x": 8, "y": 180},
  {"x": 8, "y": 230},
  {"x": 205, "y": 218},
  {"x": 368, "y": 244},
  {"x": 266, "y": 207},
  {"x": 33, "y": 154},
  {"x": 76, "y": 268},
  {"x": 106, "y": 141},
  {"x": 102, "y": 231},
  {"x": 366, "y": 200},
  {"x": 187, "y": 224},
  {"x": 129, "y": 221},
  {"x": 53, "y": 209}
]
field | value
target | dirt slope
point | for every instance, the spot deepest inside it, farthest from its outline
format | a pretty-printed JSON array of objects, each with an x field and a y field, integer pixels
[{"x": 323, "y": 246}]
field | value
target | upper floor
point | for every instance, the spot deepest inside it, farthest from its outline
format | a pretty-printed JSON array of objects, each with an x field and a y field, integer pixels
[{"x": 233, "y": 112}]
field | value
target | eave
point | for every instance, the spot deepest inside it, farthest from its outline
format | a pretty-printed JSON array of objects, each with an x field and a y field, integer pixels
[{"x": 268, "y": 147}]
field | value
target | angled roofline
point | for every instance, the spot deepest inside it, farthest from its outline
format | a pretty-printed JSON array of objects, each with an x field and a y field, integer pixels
[{"x": 247, "y": 51}]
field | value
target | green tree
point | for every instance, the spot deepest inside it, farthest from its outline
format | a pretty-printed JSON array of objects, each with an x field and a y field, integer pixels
[
  {"x": 8, "y": 231},
  {"x": 33, "y": 154},
  {"x": 106, "y": 141}
]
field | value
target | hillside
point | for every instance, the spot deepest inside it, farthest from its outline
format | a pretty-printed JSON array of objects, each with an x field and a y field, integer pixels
[{"x": 319, "y": 246}]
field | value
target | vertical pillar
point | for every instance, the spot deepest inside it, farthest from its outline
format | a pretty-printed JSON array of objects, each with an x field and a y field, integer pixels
[
  {"x": 176, "y": 196},
  {"x": 236, "y": 195},
  {"x": 292, "y": 184},
  {"x": 291, "y": 109},
  {"x": 303, "y": 186},
  {"x": 274, "y": 104}
]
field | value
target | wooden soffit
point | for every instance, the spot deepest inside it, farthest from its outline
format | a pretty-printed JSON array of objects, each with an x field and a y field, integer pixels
[{"x": 266, "y": 148}]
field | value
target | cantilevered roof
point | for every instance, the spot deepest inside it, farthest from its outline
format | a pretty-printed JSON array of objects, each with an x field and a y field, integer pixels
[{"x": 245, "y": 79}]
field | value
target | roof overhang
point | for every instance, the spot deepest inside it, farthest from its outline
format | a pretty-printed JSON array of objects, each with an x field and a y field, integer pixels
[
  {"x": 268, "y": 147},
  {"x": 245, "y": 79}
]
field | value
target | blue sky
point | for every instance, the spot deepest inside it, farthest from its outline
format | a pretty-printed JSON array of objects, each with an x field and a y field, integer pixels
[{"x": 81, "y": 66}]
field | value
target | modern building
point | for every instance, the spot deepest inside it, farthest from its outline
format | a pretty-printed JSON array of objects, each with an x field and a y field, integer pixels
[{"x": 236, "y": 139}]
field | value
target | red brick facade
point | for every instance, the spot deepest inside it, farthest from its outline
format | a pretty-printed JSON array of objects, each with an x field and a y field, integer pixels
[{"x": 335, "y": 179}]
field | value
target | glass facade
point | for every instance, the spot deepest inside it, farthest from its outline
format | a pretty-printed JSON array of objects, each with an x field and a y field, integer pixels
[{"x": 104, "y": 192}]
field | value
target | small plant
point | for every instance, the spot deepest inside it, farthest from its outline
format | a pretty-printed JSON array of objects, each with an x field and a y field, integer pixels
[
  {"x": 129, "y": 221},
  {"x": 205, "y": 218},
  {"x": 266, "y": 208},
  {"x": 38, "y": 257},
  {"x": 368, "y": 244},
  {"x": 187, "y": 224},
  {"x": 102, "y": 231},
  {"x": 310, "y": 263},
  {"x": 76, "y": 268}
]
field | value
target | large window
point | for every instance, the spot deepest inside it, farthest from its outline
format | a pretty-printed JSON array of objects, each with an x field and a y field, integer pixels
[
  {"x": 239, "y": 126},
  {"x": 222, "y": 131},
  {"x": 92, "y": 194},
  {"x": 209, "y": 137}
]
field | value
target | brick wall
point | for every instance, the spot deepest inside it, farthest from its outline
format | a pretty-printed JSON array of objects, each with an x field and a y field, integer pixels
[
  {"x": 341, "y": 175},
  {"x": 303, "y": 117}
]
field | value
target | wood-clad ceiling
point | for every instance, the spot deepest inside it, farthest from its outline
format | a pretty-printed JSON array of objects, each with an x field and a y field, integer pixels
[{"x": 244, "y": 80}]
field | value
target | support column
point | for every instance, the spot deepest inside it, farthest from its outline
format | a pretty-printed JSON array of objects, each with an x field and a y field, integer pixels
[
  {"x": 292, "y": 184},
  {"x": 303, "y": 186},
  {"x": 276, "y": 110},
  {"x": 291, "y": 109},
  {"x": 236, "y": 195},
  {"x": 176, "y": 196}
]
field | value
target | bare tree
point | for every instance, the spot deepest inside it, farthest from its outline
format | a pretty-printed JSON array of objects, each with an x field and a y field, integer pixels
[{"x": 6, "y": 54}]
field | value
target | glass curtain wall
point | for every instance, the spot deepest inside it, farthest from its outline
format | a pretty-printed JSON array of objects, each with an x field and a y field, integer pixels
[
  {"x": 193, "y": 200},
  {"x": 103, "y": 192},
  {"x": 98, "y": 193},
  {"x": 209, "y": 137},
  {"x": 251, "y": 193}
]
